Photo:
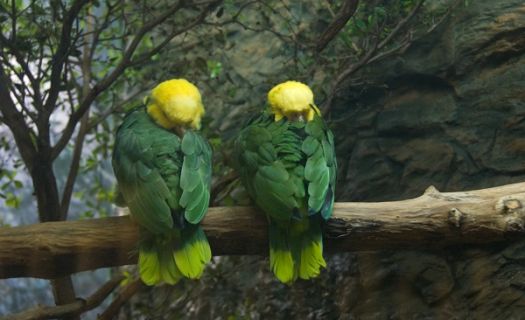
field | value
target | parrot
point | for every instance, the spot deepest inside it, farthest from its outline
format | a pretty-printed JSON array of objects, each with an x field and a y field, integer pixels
[
  {"x": 163, "y": 171},
  {"x": 285, "y": 158}
]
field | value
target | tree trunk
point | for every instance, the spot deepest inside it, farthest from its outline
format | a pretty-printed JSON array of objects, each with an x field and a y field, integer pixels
[
  {"x": 46, "y": 191},
  {"x": 55, "y": 249},
  {"x": 48, "y": 201}
]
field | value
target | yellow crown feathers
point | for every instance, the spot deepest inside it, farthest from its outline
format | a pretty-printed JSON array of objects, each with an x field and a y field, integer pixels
[
  {"x": 292, "y": 99},
  {"x": 176, "y": 102}
]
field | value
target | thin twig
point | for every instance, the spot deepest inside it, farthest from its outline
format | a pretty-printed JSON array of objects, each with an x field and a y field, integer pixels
[
  {"x": 114, "y": 108},
  {"x": 199, "y": 19},
  {"x": 61, "y": 55}
]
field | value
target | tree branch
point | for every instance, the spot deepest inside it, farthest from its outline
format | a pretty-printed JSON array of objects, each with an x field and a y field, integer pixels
[
  {"x": 15, "y": 121},
  {"x": 124, "y": 295},
  {"x": 52, "y": 249},
  {"x": 35, "y": 84},
  {"x": 347, "y": 11},
  {"x": 199, "y": 19},
  {"x": 82, "y": 131},
  {"x": 75, "y": 308},
  {"x": 367, "y": 57},
  {"x": 60, "y": 56}
]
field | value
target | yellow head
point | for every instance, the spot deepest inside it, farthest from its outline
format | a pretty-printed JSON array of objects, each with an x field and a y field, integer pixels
[
  {"x": 293, "y": 100},
  {"x": 176, "y": 103}
]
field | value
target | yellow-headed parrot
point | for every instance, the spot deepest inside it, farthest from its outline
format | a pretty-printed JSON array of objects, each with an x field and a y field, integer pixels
[
  {"x": 163, "y": 170},
  {"x": 286, "y": 161}
]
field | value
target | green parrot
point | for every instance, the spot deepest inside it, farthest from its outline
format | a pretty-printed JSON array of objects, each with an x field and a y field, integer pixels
[
  {"x": 286, "y": 161},
  {"x": 163, "y": 170}
]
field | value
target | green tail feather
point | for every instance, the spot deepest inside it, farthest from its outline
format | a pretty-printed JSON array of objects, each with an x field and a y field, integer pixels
[
  {"x": 281, "y": 261},
  {"x": 194, "y": 253},
  {"x": 297, "y": 252}
]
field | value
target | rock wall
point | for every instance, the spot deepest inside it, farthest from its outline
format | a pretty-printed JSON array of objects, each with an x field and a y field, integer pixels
[{"x": 449, "y": 112}]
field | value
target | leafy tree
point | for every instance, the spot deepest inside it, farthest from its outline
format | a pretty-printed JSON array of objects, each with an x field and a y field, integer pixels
[{"x": 77, "y": 59}]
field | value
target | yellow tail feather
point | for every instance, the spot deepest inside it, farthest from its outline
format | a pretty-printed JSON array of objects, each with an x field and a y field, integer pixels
[
  {"x": 149, "y": 267},
  {"x": 282, "y": 265},
  {"x": 192, "y": 258},
  {"x": 152, "y": 270},
  {"x": 311, "y": 260}
]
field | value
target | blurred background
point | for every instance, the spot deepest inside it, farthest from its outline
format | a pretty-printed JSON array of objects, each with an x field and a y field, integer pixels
[{"x": 416, "y": 93}]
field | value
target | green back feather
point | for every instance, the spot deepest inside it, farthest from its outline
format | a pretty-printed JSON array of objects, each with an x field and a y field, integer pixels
[{"x": 287, "y": 166}]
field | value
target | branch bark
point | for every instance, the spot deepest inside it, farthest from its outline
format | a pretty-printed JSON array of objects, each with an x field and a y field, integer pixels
[{"x": 53, "y": 249}]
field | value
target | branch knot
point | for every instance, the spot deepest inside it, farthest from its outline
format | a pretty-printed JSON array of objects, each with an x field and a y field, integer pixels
[{"x": 455, "y": 217}]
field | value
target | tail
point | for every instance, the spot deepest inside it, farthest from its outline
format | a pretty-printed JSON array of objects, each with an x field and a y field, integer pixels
[
  {"x": 281, "y": 261},
  {"x": 193, "y": 253},
  {"x": 168, "y": 258},
  {"x": 309, "y": 247},
  {"x": 157, "y": 262},
  {"x": 298, "y": 251}
]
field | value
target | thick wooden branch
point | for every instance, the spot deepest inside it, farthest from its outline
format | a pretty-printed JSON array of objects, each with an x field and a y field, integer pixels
[{"x": 435, "y": 219}]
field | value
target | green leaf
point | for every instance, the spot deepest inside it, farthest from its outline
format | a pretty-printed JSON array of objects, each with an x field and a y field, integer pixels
[
  {"x": 214, "y": 68},
  {"x": 361, "y": 25},
  {"x": 12, "y": 201},
  {"x": 18, "y": 184}
]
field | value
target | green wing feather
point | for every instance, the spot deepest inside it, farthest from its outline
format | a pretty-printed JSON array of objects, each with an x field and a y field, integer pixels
[
  {"x": 144, "y": 154},
  {"x": 195, "y": 177},
  {"x": 320, "y": 168}
]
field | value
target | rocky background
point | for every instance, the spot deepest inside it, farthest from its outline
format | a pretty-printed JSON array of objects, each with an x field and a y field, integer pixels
[{"x": 449, "y": 112}]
